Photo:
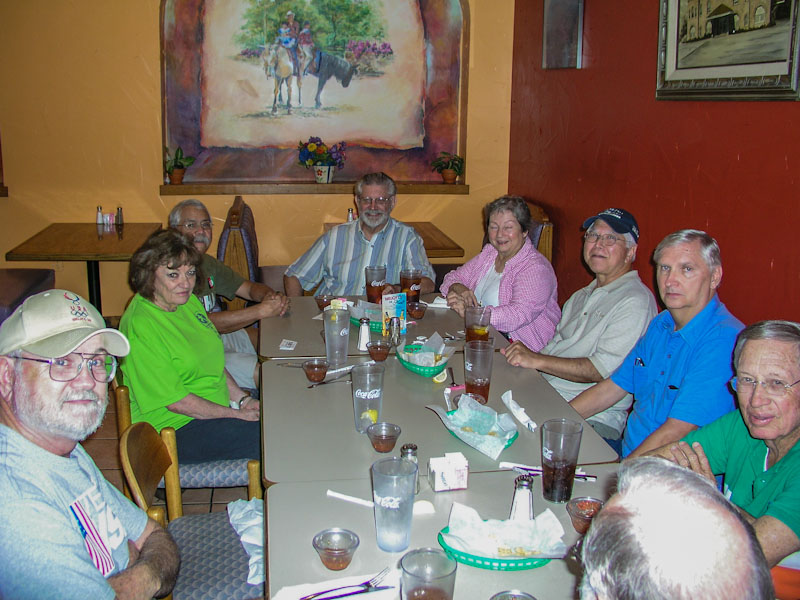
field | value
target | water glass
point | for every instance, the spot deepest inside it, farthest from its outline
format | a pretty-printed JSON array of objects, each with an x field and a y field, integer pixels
[
  {"x": 393, "y": 484},
  {"x": 337, "y": 335},
  {"x": 561, "y": 441},
  {"x": 427, "y": 573},
  {"x": 367, "y": 394}
]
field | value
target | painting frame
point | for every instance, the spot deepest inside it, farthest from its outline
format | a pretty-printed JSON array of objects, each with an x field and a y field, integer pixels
[
  {"x": 444, "y": 121},
  {"x": 753, "y": 80},
  {"x": 562, "y": 34}
]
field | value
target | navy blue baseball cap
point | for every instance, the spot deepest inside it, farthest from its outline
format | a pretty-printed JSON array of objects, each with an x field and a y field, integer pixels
[{"x": 619, "y": 219}]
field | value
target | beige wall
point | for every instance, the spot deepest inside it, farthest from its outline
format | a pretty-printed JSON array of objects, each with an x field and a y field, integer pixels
[{"x": 80, "y": 120}]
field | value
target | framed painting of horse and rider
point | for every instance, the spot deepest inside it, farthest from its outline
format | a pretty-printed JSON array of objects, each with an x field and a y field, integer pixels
[{"x": 244, "y": 80}]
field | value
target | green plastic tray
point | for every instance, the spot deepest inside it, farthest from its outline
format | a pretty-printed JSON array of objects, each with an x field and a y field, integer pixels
[
  {"x": 424, "y": 371},
  {"x": 493, "y": 564},
  {"x": 374, "y": 326}
]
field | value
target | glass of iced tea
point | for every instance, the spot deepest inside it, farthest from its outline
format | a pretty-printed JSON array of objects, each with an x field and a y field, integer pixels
[
  {"x": 427, "y": 573},
  {"x": 376, "y": 280},
  {"x": 561, "y": 441},
  {"x": 410, "y": 283},
  {"x": 478, "y": 357},
  {"x": 476, "y": 322}
]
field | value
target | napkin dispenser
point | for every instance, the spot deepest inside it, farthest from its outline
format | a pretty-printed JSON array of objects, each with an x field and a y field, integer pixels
[{"x": 448, "y": 472}]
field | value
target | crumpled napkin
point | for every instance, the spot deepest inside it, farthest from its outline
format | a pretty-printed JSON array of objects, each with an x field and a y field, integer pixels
[
  {"x": 247, "y": 518},
  {"x": 540, "y": 538},
  {"x": 318, "y": 316},
  {"x": 518, "y": 411},
  {"x": 293, "y": 592},
  {"x": 438, "y": 302},
  {"x": 367, "y": 309},
  {"x": 434, "y": 352},
  {"x": 489, "y": 431}
]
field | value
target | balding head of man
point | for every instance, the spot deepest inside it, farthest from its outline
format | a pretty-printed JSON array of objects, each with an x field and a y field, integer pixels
[{"x": 669, "y": 534}]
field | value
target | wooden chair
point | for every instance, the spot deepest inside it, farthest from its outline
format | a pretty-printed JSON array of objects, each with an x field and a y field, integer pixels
[
  {"x": 212, "y": 474},
  {"x": 238, "y": 245},
  {"x": 214, "y": 565},
  {"x": 542, "y": 223}
]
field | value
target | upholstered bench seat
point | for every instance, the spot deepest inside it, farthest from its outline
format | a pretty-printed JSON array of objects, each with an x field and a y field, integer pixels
[{"x": 18, "y": 284}]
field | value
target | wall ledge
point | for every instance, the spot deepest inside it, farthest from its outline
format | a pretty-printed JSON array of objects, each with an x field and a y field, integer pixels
[{"x": 267, "y": 189}]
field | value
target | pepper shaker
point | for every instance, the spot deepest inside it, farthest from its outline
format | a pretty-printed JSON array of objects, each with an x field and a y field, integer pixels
[
  {"x": 350, "y": 215},
  {"x": 363, "y": 334},
  {"x": 522, "y": 504},
  {"x": 394, "y": 331},
  {"x": 409, "y": 452},
  {"x": 118, "y": 220}
]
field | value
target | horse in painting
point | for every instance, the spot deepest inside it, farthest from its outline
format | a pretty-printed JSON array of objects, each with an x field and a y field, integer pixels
[{"x": 279, "y": 63}]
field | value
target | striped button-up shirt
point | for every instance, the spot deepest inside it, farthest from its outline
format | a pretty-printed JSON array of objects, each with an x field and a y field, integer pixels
[{"x": 338, "y": 257}]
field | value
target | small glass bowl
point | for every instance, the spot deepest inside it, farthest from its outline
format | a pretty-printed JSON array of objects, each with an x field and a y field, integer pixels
[
  {"x": 582, "y": 510},
  {"x": 324, "y": 300},
  {"x": 379, "y": 350},
  {"x": 383, "y": 436},
  {"x": 316, "y": 369},
  {"x": 416, "y": 310},
  {"x": 335, "y": 547}
]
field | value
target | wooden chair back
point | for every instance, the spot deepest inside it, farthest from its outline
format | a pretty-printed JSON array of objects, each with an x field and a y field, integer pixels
[
  {"x": 545, "y": 245},
  {"x": 237, "y": 246}
]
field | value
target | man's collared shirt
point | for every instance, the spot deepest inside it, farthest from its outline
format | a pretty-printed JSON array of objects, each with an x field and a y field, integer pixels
[
  {"x": 338, "y": 258},
  {"x": 680, "y": 374},
  {"x": 602, "y": 324}
]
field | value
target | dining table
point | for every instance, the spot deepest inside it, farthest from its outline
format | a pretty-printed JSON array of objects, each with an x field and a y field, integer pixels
[
  {"x": 85, "y": 242},
  {"x": 297, "y": 510},
  {"x": 309, "y": 434},
  {"x": 304, "y": 326}
]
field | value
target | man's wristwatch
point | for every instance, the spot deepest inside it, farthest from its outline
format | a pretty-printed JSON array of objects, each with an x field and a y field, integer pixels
[{"x": 237, "y": 404}]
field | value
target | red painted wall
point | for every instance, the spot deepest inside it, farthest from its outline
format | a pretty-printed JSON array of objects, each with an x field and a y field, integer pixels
[{"x": 583, "y": 140}]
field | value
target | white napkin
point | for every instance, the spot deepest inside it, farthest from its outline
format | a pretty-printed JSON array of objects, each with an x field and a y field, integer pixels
[
  {"x": 318, "y": 316},
  {"x": 438, "y": 302},
  {"x": 247, "y": 518},
  {"x": 540, "y": 538},
  {"x": 293, "y": 592},
  {"x": 491, "y": 444},
  {"x": 518, "y": 411}
]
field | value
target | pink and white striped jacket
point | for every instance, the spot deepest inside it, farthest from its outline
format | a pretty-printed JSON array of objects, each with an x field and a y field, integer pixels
[{"x": 528, "y": 310}]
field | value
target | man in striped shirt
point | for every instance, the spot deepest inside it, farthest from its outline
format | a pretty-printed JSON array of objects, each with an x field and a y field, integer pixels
[{"x": 336, "y": 261}]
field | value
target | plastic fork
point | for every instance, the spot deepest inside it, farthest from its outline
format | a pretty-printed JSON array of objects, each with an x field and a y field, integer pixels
[{"x": 368, "y": 584}]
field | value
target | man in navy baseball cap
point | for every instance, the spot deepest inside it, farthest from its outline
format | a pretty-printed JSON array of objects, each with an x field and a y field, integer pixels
[{"x": 619, "y": 219}]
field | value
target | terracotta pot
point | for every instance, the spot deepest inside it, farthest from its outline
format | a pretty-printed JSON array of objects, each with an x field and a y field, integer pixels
[
  {"x": 176, "y": 177},
  {"x": 449, "y": 176}
]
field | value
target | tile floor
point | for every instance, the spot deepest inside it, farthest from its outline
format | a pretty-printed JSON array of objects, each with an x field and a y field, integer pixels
[{"x": 103, "y": 447}]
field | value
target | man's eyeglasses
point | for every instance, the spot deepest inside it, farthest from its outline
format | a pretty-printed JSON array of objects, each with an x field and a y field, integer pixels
[
  {"x": 380, "y": 201},
  {"x": 103, "y": 367},
  {"x": 773, "y": 387},
  {"x": 193, "y": 225},
  {"x": 607, "y": 239}
]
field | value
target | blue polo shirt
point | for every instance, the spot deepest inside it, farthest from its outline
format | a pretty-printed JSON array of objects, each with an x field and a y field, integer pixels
[{"x": 680, "y": 374}]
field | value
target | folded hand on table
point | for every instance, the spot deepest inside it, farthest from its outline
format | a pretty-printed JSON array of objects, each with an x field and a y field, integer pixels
[
  {"x": 459, "y": 297},
  {"x": 692, "y": 457}
]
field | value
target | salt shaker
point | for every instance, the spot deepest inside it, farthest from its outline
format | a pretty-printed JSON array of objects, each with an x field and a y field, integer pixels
[
  {"x": 409, "y": 452},
  {"x": 350, "y": 215},
  {"x": 363, "y": 334},
  {"x": 522, "y": 504},
  {"x": 99, "y": 219}
]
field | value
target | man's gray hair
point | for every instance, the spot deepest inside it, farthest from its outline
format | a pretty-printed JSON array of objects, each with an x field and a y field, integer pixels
[
  {"x": 670, "y": 535},
  {"x": 628, "y": 237},
  {"x": 381, "y": 179},
  {"x": 709, "y": 248},
  {"x": 176, "y": 213},
  {"x": 780, "y": 331}
]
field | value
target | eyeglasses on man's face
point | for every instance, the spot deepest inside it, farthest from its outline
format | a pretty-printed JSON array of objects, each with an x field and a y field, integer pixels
[
  {"x": 102, "y": 366},
  {"x": 196, "y": 225},
  {"x": 379, "y": 201},
  {"x": 604, "y": 239},
  {"x": 772, "y": 387}
]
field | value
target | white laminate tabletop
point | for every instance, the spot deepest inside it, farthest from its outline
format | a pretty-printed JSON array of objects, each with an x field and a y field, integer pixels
[
  {"x": 309, "y": 434},
  {"x": 302, "y": 327},
  {"x": 297, "y": 511}
]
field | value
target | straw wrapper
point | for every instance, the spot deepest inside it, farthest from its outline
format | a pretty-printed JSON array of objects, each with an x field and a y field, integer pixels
[{"x": 540, "y": 538}]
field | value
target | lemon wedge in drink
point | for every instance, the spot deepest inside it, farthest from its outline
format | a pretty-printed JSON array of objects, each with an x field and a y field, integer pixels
[
  {"x": 370, "y": 415},
  {"x": 481, "y": 330},
  {"x": 441, "y": 377}
]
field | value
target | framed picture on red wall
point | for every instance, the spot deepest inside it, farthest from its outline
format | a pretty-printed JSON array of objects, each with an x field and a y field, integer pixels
[{"x": 728, "y": 50}]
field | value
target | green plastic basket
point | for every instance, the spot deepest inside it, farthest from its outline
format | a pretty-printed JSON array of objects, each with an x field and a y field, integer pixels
[
  {"x": 494, "y": 564},
  {"x": 424, "y": 371},
  {"x": 374, "y": 326}
]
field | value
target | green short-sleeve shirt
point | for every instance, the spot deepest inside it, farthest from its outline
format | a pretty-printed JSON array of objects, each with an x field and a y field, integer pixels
[
  {"x": 173, "y": 354},
  {"x": 748, "y": 483},
  {"x": 218, "y": 279}
]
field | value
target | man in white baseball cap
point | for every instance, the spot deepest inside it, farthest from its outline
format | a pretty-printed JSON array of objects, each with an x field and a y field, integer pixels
[{"x": 65, "y": 531}]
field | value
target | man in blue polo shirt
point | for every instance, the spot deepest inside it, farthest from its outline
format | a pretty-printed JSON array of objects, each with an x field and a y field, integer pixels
[
  {"x": 337, "y": 259},
  {"x": 678, "y": 372}
]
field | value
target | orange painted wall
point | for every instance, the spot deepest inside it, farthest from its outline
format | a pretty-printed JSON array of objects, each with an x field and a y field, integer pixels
[
  {"x": 583, "y": 140},
  {"x": 80, "y": 119}
]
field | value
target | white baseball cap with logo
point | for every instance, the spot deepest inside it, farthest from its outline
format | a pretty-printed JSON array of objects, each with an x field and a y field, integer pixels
[{"x": 54, "y": 323}]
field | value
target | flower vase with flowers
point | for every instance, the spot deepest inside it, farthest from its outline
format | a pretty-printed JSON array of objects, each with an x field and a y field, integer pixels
[{"x": 324, "y": 159}]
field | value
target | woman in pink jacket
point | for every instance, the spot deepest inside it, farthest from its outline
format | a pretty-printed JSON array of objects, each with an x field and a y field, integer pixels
[{"x": 511, "y": 276}]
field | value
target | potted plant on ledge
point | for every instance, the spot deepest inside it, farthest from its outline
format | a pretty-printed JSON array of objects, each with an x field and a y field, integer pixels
[
  {"x": 176, "y": 165},
  {"x": 324, "y": 159},
  {"x": 449, "y": 166}
]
